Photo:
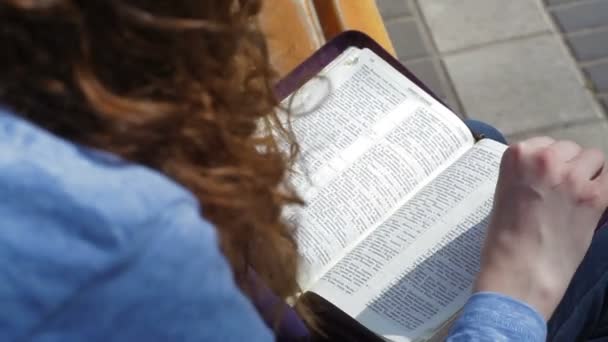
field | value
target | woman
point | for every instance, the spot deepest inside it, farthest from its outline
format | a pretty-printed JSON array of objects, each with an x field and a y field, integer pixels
[{"x": 137, "y": 203}]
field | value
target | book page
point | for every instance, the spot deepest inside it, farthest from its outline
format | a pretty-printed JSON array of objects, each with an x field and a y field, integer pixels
[
  {"x": 415, "y": 270},
  {"x": 370, "y": 144},
  {"x": 336, "y": 109}
]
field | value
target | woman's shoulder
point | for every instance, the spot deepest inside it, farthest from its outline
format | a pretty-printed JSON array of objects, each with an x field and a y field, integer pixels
[
  {"x": 31, "y": 157},
  {"x": 92, "y": 196},
  {"x": 82, "y": 229},
  {"x": 94, "y": 231}
]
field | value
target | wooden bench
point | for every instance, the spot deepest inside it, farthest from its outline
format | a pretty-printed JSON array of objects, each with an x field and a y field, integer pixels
[{"x": 296, "y": 28}]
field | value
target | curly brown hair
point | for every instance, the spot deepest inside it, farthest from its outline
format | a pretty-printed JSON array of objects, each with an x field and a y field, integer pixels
[{"x": 180, "y": 86}]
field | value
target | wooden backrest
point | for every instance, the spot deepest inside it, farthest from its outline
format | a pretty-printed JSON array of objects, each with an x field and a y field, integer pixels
[{"x": 296, "y": 28}]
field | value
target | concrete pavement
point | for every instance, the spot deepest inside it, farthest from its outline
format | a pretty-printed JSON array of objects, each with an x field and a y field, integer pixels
[{"x": 529, "y": 67}]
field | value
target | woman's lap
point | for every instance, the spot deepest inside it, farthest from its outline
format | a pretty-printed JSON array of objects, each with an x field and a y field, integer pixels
[
  {"x": 581, "y": 315},
  {"x": 485, "y": 130}
]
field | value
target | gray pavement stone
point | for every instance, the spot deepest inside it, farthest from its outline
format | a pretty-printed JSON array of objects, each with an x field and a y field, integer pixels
[
  {"x": 520, "y": 85},
  {"x": 598, "y": 74},
  {"x": 584, "y": 26},
  {"x": 592, "y": 134},
  {"x": 582, "y": 15},
  {"x": 428, "y": 73},
  {"x": 464, "y": 23},
  {"x": 407, "y": 39},
  {"x": 604, "y": 101},
  {"x": 558, "y": 2},
  {"x": 412, "y": 42},
  {"x": 394, "y": 8},
  {"x": 589, "y": 45}
]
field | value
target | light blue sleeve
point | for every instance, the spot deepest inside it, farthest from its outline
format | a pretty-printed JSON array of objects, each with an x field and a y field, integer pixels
[
  {"x": 96, "y": 249},
  {"x": 492, "y": 317}
]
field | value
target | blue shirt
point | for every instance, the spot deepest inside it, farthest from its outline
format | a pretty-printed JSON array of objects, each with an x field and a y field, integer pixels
[{"x": 96, "y": 249}]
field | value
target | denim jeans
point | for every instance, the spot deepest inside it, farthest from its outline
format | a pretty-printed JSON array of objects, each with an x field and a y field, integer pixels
[{"x": 582, "y": 314}]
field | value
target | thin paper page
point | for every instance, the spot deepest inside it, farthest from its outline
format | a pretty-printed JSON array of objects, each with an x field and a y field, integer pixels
[
  {"x": 414, "y": 271},
  {"x": 384, "y": 176},
  {"x": 371, "y": 156},
  {"x": 340, "y": 107},
  {"x": 334, "y": 110}
]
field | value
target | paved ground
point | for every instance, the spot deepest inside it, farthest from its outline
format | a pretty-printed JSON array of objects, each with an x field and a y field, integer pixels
[{"x": 528, "y": 67}]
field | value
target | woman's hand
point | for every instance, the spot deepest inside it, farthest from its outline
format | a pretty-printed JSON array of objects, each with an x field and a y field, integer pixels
[{"x": 549, "y": 198}]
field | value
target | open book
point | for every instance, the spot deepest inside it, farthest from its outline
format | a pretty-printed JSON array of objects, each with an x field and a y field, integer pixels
[{"x": 398, "y": 196}]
